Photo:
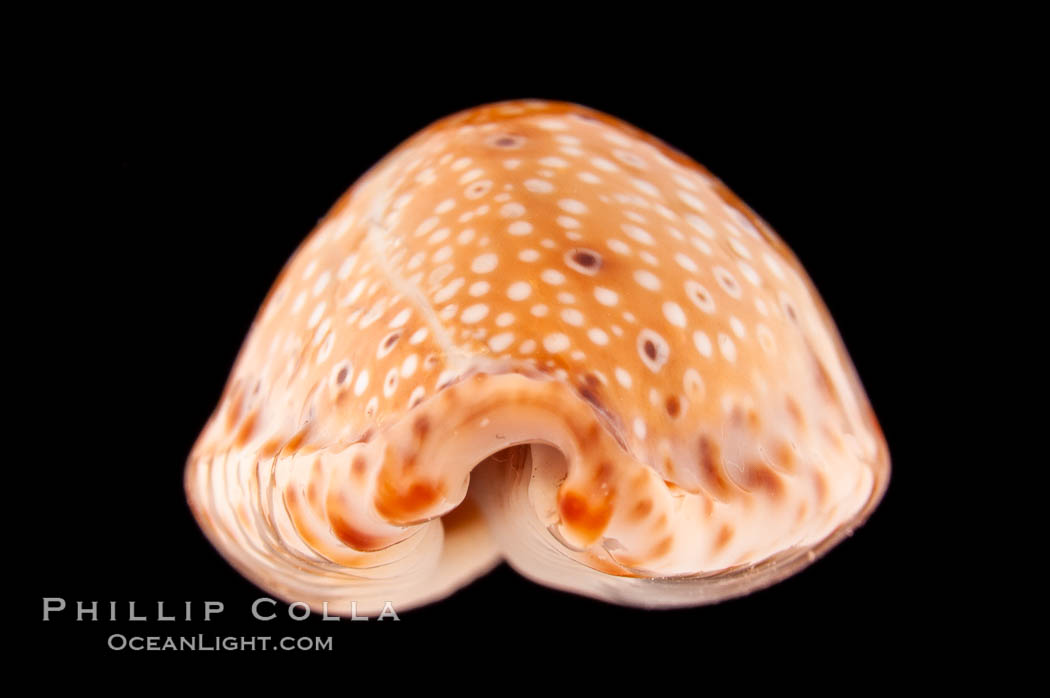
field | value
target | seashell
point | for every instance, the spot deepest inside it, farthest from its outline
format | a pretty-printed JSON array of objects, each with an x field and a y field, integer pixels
[{"x": 535, "y": 333}]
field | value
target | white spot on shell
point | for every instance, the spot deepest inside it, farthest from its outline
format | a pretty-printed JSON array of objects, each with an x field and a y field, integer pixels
[
  {"x": 474, "y": 313},
  {"x": 765, "y": 339},
  {"x": 629, "y": 158},
  {"x": 646, "y": 279},
  {"x": 321, "y": 283},
  {"x": 726, "y": 346},
  {"x": 519, "y": 290},
  {"x": 450, "y": 289},
  {"x": 519, "y": 228},
  {"x": 539, "y": 186},
  {"x": 701, "y": 226},
  {"x": 737, "y": 327},
  {"x": 702, "y": 342},
  {"x": 512, "y": 210},
  {"x": 639, "y": 427},
  {"x": 774, "y": 266},
  {"x": 598, "y": 336},
  {"x": 636, "y": 233},
  {"x": 674, "y": 314},
  {"x": 362, "y": 383},
  {"x": 401, "y": 318},
  {"x": 437, "y": 236},
  {"x": 555, "y": 342},
  {"x": 485, "y": 263},
  {"x": 749, "y": 273},
  {"x": 552, "y": 276},
  {"x": 501, "y": 341},
  {"x": 572, "y": 206},
  {"x": 686, "y": 262},
  {"x": 606, "y": 296},
  {"x": 300, "y": 299},
  {"x": 346, "y": 267},
  {"x": 315, "y": 316},
  {"x": 426, "y": 226},
  {"x": 692, "y": 201},
  {"x": 572, "y": 316}
]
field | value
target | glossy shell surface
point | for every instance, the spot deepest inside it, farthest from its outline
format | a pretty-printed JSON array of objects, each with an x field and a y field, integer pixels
[{"x": 535, "y": 333}]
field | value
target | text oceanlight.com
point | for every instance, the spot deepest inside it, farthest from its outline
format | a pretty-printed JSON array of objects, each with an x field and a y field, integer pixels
[{"x": 215, "y": 643}]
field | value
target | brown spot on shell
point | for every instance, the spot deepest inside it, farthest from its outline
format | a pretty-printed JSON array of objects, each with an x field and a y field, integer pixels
[
  {"x": 820, "y": 485},
  {"x": 642, "y": 508},
  {"x": 712, "y": 475},
  {"x": 827, "y": 387},
  {"x": 233, "y": 412},
  {"x": 662, "y": 548},
  {"x": 725, "y": 534},
  {"x": 795, "y": 411},
  {"x": 420, "y": 427},
  {"x": 760, "y": 478},
  {"x": 784, "y": 457},
  {"x": 352, "y": 537},
  {"x": 270, "y": 447},
  {"x": 590, "y": 396},
  {"x": 296, "y": 442},
  {"x": 585, "y": 516},
  {"x": 405, "y": 503},
  {"x": 246, "y": 429},
  {"x": 673, "y": 406}
]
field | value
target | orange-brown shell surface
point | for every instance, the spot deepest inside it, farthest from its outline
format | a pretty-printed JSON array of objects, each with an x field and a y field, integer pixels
[{"x": 534, "y": 333}]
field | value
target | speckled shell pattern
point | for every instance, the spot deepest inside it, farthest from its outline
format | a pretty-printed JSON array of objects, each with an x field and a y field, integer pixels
[{"x": 535, "y": 333}]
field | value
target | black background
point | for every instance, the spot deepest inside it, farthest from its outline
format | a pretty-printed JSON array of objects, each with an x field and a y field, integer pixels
[{"x": 185, "y": 189}]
